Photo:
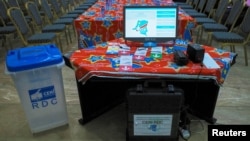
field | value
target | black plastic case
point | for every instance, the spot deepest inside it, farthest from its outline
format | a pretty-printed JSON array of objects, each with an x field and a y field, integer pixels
[{"x": 153, "y": 113}]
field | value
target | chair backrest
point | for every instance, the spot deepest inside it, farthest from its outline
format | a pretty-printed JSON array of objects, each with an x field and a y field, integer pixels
[
  {"x": 209, "y": 8},
  {"x": 201, "y": 5},
  {"x": 195, "y": 3},
  {"x": 244, "y": 28},
  {"x": 22, "y": 2},
  {"x": 34, "y": 13},
  {"x": 234, "y": 13},
  {"x": 3, "y": 11},
  {"x": 12, "y": 3},
  {"x": 71, "y": 2},
  {"x": 19, "y": 21},
  {"x": 77, "y": 1},
  {"x": 220, "y": 11},
  {"x": 190, "y": 2},
  {"x": 47, "y": 10},
  {"x": 56, "y": 8},
  {"x": 37, "y": 2},
  {"x": 65, "y": 5}
]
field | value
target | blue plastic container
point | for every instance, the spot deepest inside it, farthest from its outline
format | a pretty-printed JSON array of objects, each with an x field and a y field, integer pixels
[{"x": 36, "y": 72}]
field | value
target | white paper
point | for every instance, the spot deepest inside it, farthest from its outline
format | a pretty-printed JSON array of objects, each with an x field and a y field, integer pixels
[{"x": 209, "y": 62}]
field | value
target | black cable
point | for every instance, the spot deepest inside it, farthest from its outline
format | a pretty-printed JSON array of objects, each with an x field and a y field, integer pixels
[
  {"x": 196, "y": 86},
  {"x": 185, "y": 122}
]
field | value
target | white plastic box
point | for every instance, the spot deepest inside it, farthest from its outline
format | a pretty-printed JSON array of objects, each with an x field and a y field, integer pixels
[{"x": 36, "y": 72}]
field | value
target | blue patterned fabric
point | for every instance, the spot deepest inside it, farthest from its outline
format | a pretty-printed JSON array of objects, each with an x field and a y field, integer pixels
[{"x": 85, "y": 41}]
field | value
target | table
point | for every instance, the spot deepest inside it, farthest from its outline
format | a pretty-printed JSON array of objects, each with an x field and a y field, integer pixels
[
  {"x": 101, "y": 85},
  {"x": 95, "y": 26}
]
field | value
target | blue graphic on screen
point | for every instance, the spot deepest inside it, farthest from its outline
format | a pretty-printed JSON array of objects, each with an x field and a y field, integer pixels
[
  {"x": 150, "y": 23},
  {"x": 141, "y": 26}
]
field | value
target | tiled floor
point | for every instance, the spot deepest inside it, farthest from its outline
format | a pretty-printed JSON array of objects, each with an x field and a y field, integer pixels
[{"x": 233, "y": 107}]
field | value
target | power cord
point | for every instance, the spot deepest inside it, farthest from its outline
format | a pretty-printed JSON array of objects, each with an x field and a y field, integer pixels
[
  {"x": 184, "y": 129},
  {"x": 185, "y": 122},
  {"x": 196, "y": 85},
  {"x": 202, "y": 127},
  {"x": 187, "y": 131}
]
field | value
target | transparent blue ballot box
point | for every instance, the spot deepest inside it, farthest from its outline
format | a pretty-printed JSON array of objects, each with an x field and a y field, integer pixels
[{"x": 37, "y": 75}]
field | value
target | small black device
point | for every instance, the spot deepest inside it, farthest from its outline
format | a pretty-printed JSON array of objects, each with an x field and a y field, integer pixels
[
  {"x": 180, "y": 58},
  {"x": 195, "y": 53}
]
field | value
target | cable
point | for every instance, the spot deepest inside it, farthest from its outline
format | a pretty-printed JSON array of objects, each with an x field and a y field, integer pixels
[
  {"x": 196, "y": 86},
  {"x": 202, "y": 127},
  {"x": 185, "y": 123},
  {"x": 186, "y": 133}
]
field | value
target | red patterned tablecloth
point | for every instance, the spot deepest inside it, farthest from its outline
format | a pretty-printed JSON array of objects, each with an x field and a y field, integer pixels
[
  {"x": 95, "y": 62},
  {"x": 101, "y": 28}
]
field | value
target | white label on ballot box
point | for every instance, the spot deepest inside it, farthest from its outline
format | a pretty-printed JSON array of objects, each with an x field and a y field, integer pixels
[{"x": 153, "y": 125}]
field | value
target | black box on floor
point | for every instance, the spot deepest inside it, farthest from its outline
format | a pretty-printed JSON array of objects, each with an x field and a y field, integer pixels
[{"x": 153, "y": 113}]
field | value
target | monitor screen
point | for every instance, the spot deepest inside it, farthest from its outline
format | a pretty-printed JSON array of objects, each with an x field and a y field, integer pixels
[{"x": 150, "y": 23}]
